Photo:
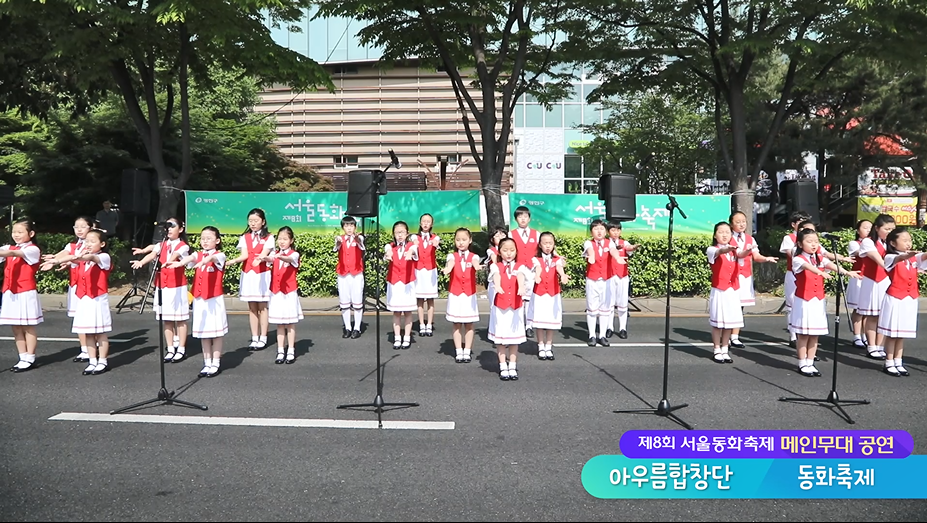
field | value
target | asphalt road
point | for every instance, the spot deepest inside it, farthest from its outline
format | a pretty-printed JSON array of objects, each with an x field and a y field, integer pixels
[{"x": 515, "y": 453}]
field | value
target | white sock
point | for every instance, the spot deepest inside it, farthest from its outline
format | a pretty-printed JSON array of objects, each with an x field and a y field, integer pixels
[
  {"x": 215, "y": 362},
  {"x": 358, "y": 314},
  {"x": 511, "y": 365},
  {"x": 176, "y": 341},
  {"x": 291, "y": 350},
  {"x": 466, "y": 352},
  {"x": 102, "y": 361},
  {"x": 897, "y": 362},
  {"x": 503, "y": 366},
  {"x": 93, "y": 361},
  {"x": 29, "y": 358},
  {"x": 83, "y": 350},
  {"x": 876, "y": 348},
  {"x": 611, "y": 321},
  {"x": 262, "y": 339},
  {"x": 724, "y": 350},
  {"x": 590, "y": 322},
  {"x": 623, "y": 321},
  {"x": 182, "y": 349},
  {"x": 735, "y": 337},
  {"x": 460, "y": 353},
  {"x": 858, "y": 337},
  {"x": 346, "y": 318},
  {"x": 207, "y": 362},
  {"x": 602, "y": 326},
  {"x": 889, "y": 363}
]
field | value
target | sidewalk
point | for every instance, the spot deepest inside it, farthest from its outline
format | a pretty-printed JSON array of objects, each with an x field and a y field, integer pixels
[{"x": 681, "y": 306}]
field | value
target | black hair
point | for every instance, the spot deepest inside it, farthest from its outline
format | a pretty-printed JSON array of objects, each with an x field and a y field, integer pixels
[
  {"x": 799, "y": 216},
  {"x": 806, "y": 222},
  {"x": 541, "y": 236},
  {"x": 715, "y": 232},
  {"x": 613, "y": 225},
  {"x": 260, "y": 213},
  {"x": 595, "y": 223},
  {"x": 102, "y": 234},
  {"x": 802, "y": 233},
  {"x": 860, "y": 224},
  {"x": 463, "y": 229},
  {"x": 91, "y": 223},
  {"x": 420, "y": 223},
  {"x": 521, "y": 209},
  {"x": 289, "y": 231},
  {"x": 507, "y": 239},
  {"x": 348, "y": 220},
  {"x": 215, "y": 230},
  {"x": 495, "y": 230},
  {"x": 893, "y": 236},
  {"x": 183, "y": 229},
  {"x": 880, "y": 220},
  {"x": 29, "y": 224},
  {"x": 735, "y": 213}
]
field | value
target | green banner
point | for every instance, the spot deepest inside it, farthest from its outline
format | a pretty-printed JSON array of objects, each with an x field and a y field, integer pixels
[
  {"x": 321, "y": 212},
  {"x": 571, "y": 214}
]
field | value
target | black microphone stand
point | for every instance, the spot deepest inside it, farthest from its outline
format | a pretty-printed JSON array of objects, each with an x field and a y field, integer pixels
[
  {"x": 832, "y": 397},
  {"x": 165, "y": 397},
  {"x": 663, "y": 408},
  {"x": 378, "y": 188}
]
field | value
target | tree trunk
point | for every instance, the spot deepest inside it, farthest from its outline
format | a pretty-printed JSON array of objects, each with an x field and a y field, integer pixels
[
  {"x": 742, "y": 195},
  {"x": 921, "y": 207}
]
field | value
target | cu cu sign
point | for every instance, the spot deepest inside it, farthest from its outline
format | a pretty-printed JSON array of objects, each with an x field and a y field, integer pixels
[{"x": 543, "y": 165}]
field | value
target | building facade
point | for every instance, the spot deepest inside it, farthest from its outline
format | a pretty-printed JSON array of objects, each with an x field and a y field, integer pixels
[{"x": 413, "y": 111}]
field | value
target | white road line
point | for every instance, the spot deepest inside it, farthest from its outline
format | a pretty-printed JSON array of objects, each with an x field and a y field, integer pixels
[
  {"x": 682, "y": 344},
  {"x": 68, "y": 340},
  {"x": 254, "y": 422}
]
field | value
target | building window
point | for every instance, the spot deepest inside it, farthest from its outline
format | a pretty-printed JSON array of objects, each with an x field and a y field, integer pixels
[
  {"x": 345, "y": 162},
  {"x": 344, "y": 69}
]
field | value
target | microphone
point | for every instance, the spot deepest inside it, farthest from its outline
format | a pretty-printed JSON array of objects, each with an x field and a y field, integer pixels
[
  {"x": 640, "y": 165},
  {"x": 831, "y": 237},
  {"x": 165, "y": 224},
  {"x": 395, "y": 160}
]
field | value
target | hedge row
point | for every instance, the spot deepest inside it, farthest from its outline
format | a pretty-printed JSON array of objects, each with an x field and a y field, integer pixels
[{"x": 316, "y": 276}]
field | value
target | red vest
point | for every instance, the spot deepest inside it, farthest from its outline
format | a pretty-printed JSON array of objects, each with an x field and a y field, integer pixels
[
  {"x": 807, "y": 284},
  {"x": 283, "y": 279},
  {"x": 550, "y": 280},
  {"x": 745, "y": 264},
  {"x": 904, "y": 280},
  {"x": 526, "y": 249},
  {"x": 509, "y": 284},
  {"x": 72, "y": 250},
  {"x": 18, "y": 275},
  {"x": 871, "y": 269},
  {"x": 599, "y": 269},
  {"x": 171, "y": 278},
  {"x": 725, "y": 273},
  {"x": 463, "y": 281},
  {"x": 618, "y": 269},
  {"x": 426, "y": 254},
  {"x": 494, "y": 250},
  {"x": 207, "y": 283},
  {"x": 350, "y": 256},
  {"x": 858, "y": 264},
  {"x": 253, "y": 252},
  {"x": 401, "y": 270},
  {"x": 791, "y": 252},
  {"x": 92, "y": 281}
]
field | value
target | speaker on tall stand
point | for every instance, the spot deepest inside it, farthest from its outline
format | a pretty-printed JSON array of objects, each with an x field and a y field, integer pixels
[
  {"x": 136, "y": 200},
  {"x": 619, "y": 192},
  {"x": 364, "y": 190}
]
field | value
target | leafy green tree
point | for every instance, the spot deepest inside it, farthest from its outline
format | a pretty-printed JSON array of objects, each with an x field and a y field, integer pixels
[
  {"x": 678, "y": 132},
  {"x": 493, "y": 52}
]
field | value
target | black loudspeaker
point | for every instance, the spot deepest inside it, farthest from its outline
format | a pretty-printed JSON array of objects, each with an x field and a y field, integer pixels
[
  {"x": 619, "y": 192},
  {"x": 7, "y": 195},
  {"x": 802, "y": 195},
  {"x": 364, "y": 189},
  {"x": 136, "y": 192}
]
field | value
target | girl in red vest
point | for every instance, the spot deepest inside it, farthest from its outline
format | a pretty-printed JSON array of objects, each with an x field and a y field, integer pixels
[
  {"x": 171, "y": 285},
  {"x": 284, "y": 309},
  {"x": 546, "y": 307},
  {"x": 863, "y": 227},
  {"x": 91, "y": 315},
  {"x": 255, "y": 244},
  {"x": 400, "y": 282},
  {"x": 82, "y": 226},
  {"x": 506, "y": 326},
  {"x": 492, "y": 256},
  {"x": 426, "y": 274},
  {"x": 619, "y": 284},
  {"x": 526, "y": 241},
  {"x": 808, "y": 318},
  {"x": 350, "y": 248},
  {"x": 898, "y": 317},
  {"x": 787, "y": 247},
  {"x": 462, "y": 308},
  {"x": 724, "y": 312},
  {"x": 875, "y": 282},
  {"x": 21, "y": 308},
  {"x": 746, "y": 245},
  {"x": 596, "y": 252},
  {"x": 210, "y": 321}
]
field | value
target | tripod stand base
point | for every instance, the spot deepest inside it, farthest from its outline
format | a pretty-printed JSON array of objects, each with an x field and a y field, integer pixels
[
  {"x": 832, "y": 399},
  {"x": 378, "y": 404},
  {"x": 165, "y": 397},
  {"x": 663, "y": 409}
]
